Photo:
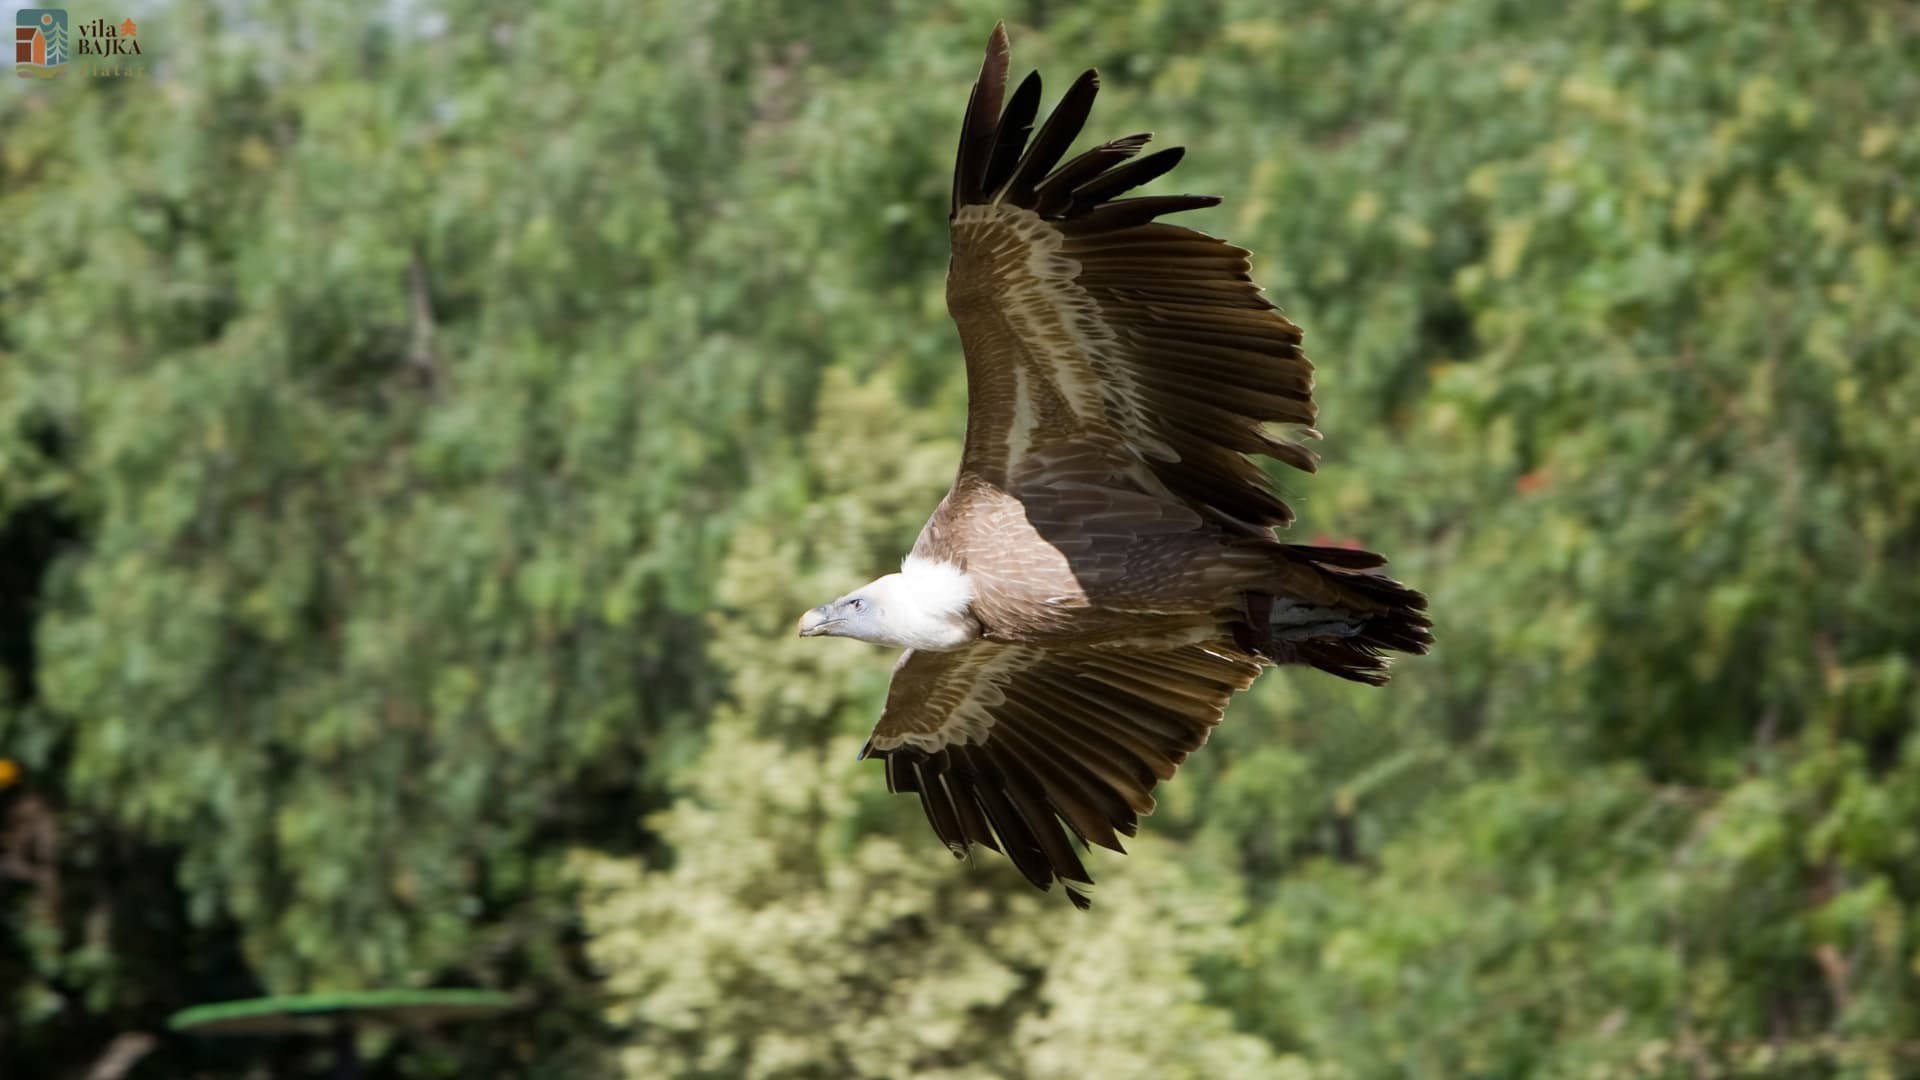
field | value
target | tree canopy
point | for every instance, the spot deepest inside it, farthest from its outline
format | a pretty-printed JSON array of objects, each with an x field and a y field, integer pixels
[{"x": 420, "y": 426}]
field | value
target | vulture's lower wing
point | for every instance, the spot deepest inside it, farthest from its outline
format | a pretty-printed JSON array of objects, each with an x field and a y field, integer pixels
[
  {"x": 1021, "y": 749},
  {"x": 1082, "y": 314}
]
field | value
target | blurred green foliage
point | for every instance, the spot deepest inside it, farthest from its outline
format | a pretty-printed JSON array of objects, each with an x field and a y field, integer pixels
[{"x": 418, "y": 429}]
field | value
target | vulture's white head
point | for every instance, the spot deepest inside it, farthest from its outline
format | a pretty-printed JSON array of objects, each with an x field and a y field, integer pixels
[{"x": 927, "y": 605}]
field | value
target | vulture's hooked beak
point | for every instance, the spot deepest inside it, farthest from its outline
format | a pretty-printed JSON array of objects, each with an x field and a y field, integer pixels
[{"x": 815, "y": 622}]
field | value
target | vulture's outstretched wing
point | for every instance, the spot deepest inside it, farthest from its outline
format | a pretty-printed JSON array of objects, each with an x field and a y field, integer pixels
[
  {"x": 1083, "y": 316},
  {"x": 1005, "y": 743}
]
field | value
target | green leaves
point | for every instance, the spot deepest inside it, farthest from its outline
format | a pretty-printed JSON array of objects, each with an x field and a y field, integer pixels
[{"x": 418, "y": 434}]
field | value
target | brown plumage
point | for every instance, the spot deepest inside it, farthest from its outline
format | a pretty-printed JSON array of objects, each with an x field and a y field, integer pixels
[{"x": 1103, "y": 576}]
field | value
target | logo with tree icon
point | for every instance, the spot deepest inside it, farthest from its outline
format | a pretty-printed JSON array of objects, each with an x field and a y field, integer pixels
[{"x": 40, "y": 43}]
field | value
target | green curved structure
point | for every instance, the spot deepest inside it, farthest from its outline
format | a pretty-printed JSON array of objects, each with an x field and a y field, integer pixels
[
  {"x": 305, "y": 1013},
  {"x": 339, "y": 1015}
]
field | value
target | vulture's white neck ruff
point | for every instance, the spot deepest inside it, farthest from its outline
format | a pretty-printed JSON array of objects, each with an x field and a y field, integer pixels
[
  {"x": 935, "y": 587},
  {"x": 925, "y": 606}
]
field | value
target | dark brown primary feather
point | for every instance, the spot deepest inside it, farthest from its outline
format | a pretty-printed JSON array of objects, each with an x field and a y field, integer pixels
[
  {"x": 1053, "y": 194},
  {"x": 1010, "y": 140},
  {"x": 1027, "y": 750},
  {"x": 978, "y": 133},
  {"x": 1118, "y": 181}
]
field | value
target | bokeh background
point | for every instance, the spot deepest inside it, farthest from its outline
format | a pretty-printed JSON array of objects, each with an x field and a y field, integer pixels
[{"x": 421, "y": 423}]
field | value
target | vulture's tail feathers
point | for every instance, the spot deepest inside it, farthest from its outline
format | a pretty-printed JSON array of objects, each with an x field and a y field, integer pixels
[{"x": 1356, "y": 615}]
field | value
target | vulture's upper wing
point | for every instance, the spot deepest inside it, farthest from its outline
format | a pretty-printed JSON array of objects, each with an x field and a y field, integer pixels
[
  {"x": 1081, "y": 314},
  {"x": 1004, "y": 743}
]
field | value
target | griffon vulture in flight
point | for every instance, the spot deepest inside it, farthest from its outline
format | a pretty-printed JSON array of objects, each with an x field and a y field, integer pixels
[{"x": 1104, "y": 573}]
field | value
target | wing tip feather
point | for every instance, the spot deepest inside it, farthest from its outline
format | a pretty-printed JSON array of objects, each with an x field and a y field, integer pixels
[{"x": 1018, "y": 183}]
